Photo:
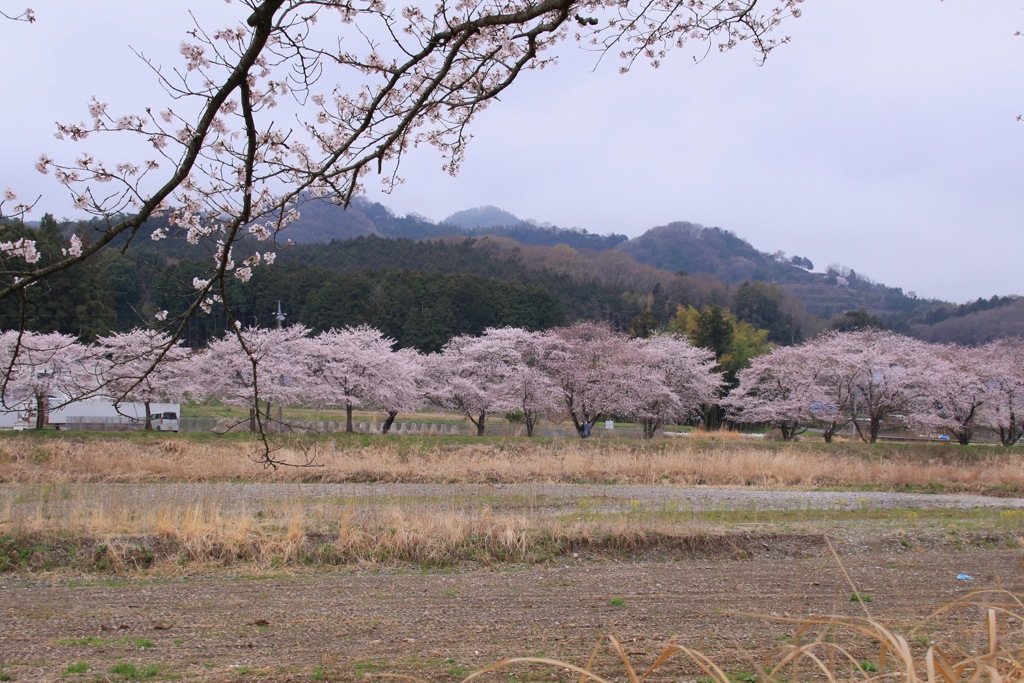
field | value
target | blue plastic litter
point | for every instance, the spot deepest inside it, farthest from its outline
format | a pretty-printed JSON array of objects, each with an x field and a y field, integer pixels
[{"x": 964, "y": 577}]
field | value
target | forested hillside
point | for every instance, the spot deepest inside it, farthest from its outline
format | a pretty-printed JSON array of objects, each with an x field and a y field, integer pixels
[
  {"x": 974, "y": 323},
  {"x": 693, "y": 248},
  {"x": 419, "y": 293},
  {"x": 717, "y": 258},
  {"x": 422, "y": 283}
]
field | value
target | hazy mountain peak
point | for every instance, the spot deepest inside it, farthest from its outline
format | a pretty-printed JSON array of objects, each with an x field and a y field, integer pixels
[{"x": 482, "y": 217}]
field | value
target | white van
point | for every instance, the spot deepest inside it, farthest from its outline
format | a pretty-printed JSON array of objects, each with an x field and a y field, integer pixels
[{"x": 165, "y": 422}]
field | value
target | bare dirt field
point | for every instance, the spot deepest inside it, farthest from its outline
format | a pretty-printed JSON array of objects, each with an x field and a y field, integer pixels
[
  {"x": 439, "y": 626},
  {"x": 152, "y": 558},
  {"x": 322, "y": 623}
]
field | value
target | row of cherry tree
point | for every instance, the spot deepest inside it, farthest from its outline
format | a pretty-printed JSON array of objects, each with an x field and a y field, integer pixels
[
  {"x": 871, "y": 376},
  {"x": 586, "y": 371}
]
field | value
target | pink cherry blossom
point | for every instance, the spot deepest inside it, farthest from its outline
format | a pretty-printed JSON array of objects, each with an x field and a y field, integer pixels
[
  {"x": 142, "y": 366},
  {"x": 589, "y": 363},
  {"x": 673, "y": 381},
  {"x": 42, "y": 367}
]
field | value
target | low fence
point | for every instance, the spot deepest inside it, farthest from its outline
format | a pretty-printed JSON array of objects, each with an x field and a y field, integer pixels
[
  {"x": 400, "y": 427},
  {"x": 213, "y": 424},
  {"x": 126, "y": 424},
  {"x": 116, "y": 423}
]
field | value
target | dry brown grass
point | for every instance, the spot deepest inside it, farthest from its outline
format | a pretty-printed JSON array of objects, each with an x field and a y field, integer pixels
[
  {"x": 142, "y": 524},
  {"x": 152, "y": 528},
  {"x": 722, "y": 462}
]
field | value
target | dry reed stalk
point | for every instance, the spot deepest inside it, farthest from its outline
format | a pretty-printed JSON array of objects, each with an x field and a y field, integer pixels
[{"x": 818, "y": 651}]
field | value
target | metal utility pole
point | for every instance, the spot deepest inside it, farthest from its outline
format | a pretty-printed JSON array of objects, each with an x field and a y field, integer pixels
[{"x": 279, "y": 315}]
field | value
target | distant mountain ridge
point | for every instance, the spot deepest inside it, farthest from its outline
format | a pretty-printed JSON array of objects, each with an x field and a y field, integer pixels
[
  {"x": 490, "y": 220},
  {"x": 678, "y": 264},
  {"x": 676, "y": 247},
  {"x": 679, "y": 247},
  {"x": 323, "y": 221}
]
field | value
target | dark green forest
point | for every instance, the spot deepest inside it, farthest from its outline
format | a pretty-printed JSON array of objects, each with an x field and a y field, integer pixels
[
  {"x": 419, "y": 293},
  {"x": 422, "y": 283}
]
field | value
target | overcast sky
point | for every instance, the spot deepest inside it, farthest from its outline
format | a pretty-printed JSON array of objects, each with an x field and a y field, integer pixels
[{"x": 883, "y": 138}]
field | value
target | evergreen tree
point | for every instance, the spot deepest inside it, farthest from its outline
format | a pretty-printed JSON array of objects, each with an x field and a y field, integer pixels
[{"x": 714, "y": 331}]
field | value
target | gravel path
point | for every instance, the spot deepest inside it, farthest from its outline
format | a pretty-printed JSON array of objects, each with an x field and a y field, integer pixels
[{"x": 608, "y": 498}]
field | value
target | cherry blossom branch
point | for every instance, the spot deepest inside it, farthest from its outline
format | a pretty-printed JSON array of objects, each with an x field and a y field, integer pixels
[{"x": 28, "y": 16}]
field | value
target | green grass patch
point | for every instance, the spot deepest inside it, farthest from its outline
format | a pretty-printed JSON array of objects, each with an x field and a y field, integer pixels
[
  {"x": 96, "y": 641},
  {"x": 23, "y": 551},
  {"x": 88, "y": 641},
  {"x": 369, "y": 666},
  {"x": 78, "y": 668},
  {"x": 868, "y": 667},
  {"x": 126, "y": 670}
]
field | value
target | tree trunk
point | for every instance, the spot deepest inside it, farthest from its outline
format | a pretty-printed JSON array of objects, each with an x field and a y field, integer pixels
[
  {"x": 966, "y": 431},
  {"x": 40, "y": 412},
  {"x": 252, "y": 418},
  {"x": 348, "y": 417},
  {"x": 830, "y": 431},
  {"x": 860, "y": 432},
  {"x": 787, "y": 431},
  {"x": 1012, "y": 434},
  {"x": 529, "y": 422},
  {"x": 875, "y": 427},
  {"x": 149, "y": 417},
  {"x": 389, "y": 421},
  {"x": 480, "y": 424}
]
